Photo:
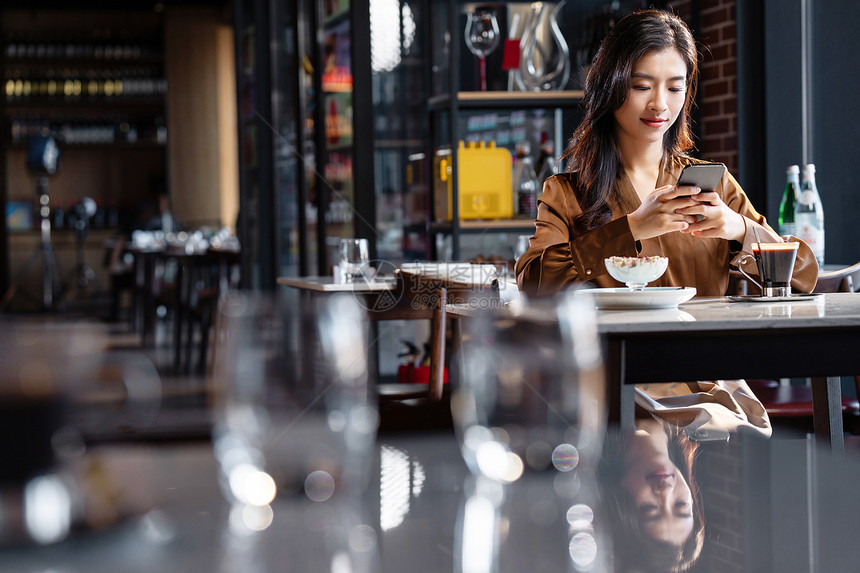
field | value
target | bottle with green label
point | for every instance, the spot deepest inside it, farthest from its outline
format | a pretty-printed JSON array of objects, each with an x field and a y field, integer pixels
[{"x": 789, "y": 201}]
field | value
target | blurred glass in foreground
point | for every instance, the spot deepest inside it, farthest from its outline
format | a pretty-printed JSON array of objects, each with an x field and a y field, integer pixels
[
  {"x": 530, "y": 415},
  {"x": 296, "y": 424},
  {"x": 44, "y": 365}
]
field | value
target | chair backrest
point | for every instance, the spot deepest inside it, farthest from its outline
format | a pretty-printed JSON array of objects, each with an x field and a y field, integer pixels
[
  {"x": 841, "y": 280},
  {"x": 427, "y": 287},
  {"x": 463, "y": 281}
]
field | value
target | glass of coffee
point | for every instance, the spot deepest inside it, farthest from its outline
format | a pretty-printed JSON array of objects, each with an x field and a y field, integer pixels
[{"x": 775, "y": 263}]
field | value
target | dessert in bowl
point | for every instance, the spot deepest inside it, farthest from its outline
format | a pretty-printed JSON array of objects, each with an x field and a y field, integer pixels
[{"x": 636, "y": 272}]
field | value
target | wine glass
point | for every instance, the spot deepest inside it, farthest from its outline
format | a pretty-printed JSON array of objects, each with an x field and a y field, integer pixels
[{"x": 482, "y": 37}]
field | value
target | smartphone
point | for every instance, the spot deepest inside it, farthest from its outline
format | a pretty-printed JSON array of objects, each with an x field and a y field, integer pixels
[{"x": 706, "y": 176}]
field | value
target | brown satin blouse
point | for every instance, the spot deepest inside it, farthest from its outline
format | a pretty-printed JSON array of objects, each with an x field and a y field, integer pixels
[{"x": 558, "y": 257}]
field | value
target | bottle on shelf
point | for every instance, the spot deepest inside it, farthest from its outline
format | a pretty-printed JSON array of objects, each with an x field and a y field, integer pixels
[
  {"x": 525, "y": 182},
  {"x": 809, "y": 214},
  {"x": 547, "y": 166},
  {"x": 789, "y": 201}
]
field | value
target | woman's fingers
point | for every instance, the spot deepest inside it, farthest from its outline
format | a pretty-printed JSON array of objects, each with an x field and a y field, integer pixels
[{"x": 669, "y": 192}]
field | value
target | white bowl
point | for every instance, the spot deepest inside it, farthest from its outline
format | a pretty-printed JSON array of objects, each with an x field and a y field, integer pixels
[{"x": 636, "y": 272}]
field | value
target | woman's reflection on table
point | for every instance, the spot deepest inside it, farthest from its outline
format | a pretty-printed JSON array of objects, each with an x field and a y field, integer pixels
[{"x": 652, "y": 504}]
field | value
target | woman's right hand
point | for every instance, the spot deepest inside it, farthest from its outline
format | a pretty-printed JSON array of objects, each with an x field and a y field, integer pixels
[{"x": 657, "y": 215}]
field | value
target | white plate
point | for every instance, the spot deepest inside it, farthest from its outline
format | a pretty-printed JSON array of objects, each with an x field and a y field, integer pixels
[
  {"x": 649, "y": 297},
  {"x": 793, "y": 298}
]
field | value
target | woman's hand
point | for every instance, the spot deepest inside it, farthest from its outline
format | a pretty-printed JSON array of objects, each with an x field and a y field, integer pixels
[
  {"x": 718, "y": 221},
  {"x": 662, "y": 212}
]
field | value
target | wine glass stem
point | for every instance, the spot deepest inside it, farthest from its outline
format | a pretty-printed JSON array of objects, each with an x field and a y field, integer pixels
[{"x": 482, "y": 66}]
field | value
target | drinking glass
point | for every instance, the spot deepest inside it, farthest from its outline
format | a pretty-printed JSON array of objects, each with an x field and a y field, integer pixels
[
  {"x": 529, "y": 412},
  {"x": 296, "y": 423},
  {"x": 45, "y": 366},
  {"x": 55, "y": 383},
  {"x": 354, "y": 259},
  {"x": 482, "y": 37},
  {"x": 530, "y": 391}
]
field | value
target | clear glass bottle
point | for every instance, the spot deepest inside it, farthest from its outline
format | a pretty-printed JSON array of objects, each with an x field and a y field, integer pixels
[
  {"x": 525, "y": 182},
  {"x": 789, "y": 201},
  {"x": 548, "y": 166},
  {"x": 809, "y": 214}
]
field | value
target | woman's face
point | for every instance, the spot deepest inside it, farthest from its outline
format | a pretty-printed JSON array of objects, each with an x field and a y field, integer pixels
[
  {"x": 661, "y": 495},
  {"x": 656, "y": 97}
]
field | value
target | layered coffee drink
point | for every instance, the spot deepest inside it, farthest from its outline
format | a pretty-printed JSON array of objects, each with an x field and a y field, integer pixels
[{"x": 775, "y": 263}]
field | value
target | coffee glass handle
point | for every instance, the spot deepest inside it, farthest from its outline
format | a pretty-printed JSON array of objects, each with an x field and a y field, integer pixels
[{"x": 744, "y": 273}]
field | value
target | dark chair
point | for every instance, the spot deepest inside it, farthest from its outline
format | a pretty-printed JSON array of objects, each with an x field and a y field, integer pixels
[
  {"x": 203, "y": 280},
  {"x": 841, "y": 280},
  {"x": 790, "y": 402}
]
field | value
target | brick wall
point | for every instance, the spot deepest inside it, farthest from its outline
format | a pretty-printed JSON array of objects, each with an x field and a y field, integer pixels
[
  {"x": 719, "y": 474},
  {"x": 717, "y": 80}
]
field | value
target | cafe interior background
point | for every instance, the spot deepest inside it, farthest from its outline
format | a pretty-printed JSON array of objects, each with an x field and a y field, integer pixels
[
  {"x": 236, "y": 114},
  {"x": 293, "y": 124},
  {"x": 239, "y": 121},
  {"x": 289, "y": 124}
]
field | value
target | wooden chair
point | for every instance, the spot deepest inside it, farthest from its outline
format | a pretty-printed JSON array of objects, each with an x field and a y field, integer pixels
[
  {"x": 793, "y": 402},
  {"x": 422, "y": 298},
  {"x": 418, "y": 297}
]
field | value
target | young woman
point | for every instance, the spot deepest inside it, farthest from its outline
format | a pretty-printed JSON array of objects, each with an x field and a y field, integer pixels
[{"x": 620, "y": 198}]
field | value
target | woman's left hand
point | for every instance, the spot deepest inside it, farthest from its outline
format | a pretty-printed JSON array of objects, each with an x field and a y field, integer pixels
[{"x": 719, "y": 221}]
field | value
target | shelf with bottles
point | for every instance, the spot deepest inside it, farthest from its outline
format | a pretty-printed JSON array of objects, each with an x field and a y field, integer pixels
[
  {"x": 337, "y": 62},
  {"x": 89, "y": 130},
  {"x": 60, "y": 50},
  {"x": 26, "y": 86}
]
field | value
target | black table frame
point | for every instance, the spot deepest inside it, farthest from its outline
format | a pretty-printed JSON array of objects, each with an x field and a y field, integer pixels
[{"x": 821, "y": 353}]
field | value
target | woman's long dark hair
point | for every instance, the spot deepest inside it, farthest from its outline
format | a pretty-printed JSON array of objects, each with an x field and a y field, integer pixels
[{"x": 593, "y": 150}]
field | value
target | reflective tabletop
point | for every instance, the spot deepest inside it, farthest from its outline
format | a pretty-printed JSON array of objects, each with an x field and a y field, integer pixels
[{"x": 768, "y": 505}]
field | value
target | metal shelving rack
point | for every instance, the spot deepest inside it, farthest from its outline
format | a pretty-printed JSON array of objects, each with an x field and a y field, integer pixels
[{"x": 477, "y": 100}]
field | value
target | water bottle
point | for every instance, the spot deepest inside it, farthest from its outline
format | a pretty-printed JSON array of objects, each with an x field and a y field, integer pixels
[
  {"x": 809, "y": 214},
  {"x": 789, "y": 201},
  {"x": 525, "y": 182}
]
